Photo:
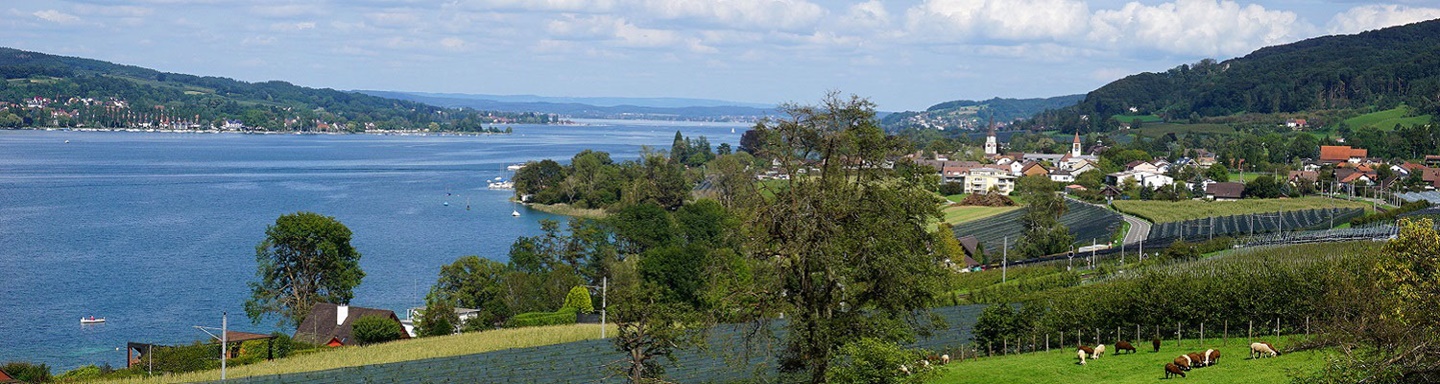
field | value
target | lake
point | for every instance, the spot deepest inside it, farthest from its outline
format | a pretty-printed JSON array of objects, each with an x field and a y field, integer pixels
[{"x": 156, "y": 232}]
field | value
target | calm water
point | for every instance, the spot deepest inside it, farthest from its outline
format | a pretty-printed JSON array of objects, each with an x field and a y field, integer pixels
[{"x": 156, "y": 232}]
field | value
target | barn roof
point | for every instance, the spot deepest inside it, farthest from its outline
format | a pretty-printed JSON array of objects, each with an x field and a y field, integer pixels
[
  {"x": 1226, "y": 190},
  {"x": 1339, "y": 153}
]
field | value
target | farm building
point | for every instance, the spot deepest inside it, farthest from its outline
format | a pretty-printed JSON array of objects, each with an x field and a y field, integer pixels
[
  {"x": 1341, "y": 153},
  {"x": 330, "y": 324},
  {"x": 1225, "y": 191}
]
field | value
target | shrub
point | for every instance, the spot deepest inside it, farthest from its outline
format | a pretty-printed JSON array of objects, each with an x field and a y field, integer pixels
[
  {"x": 371, "y": 329},
  {"x": 27, "y": 372},
  {"x": 871, "y": 360},
  {"x": 952, "y": 188},
  {"x": 88, "y": 372},
  {"x": 535, "y": 319},
  {"x": 184, "y": 358},
  {"x": 579, "y": 299}
]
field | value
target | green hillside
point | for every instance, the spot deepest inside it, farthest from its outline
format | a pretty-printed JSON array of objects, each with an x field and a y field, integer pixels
[
  {"x": 1387, "y": 68},
  {"x": 57, "y": 91},
  {"x": 1388, "y": 119}
]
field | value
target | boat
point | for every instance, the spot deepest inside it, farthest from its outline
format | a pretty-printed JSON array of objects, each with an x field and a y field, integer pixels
[
  {"x": 91, "y": 320},
  {"x": 514, "y": 167},
  {"x": 513, "y": 213},
  {"x": 501, "y": 185}
]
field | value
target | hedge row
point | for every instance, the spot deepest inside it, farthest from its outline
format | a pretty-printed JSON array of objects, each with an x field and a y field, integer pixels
[
  {"x": 1014, "y": 290},
  {"x": 536, "y": 319},
  {"x": 1390, "y": 215}
]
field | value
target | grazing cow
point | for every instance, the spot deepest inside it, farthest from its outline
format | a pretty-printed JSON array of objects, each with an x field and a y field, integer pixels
[
  {"x": 1195, "y": 360},
  {"x": 1272, "y": 347},
  {"x": 1172, "y": 370},
  {"x": 1081, "y": 354},
  {"x": 1099, "y": 351},
  {"x": 1156, "y": 343},
  {"x": 1212, "y": 357},
  {"x": 945, "y": 359},
  {"x": 1183, "y": 362},
  {"x": 1123, "y": 345},
  {"x": 1258, "y": 350}
]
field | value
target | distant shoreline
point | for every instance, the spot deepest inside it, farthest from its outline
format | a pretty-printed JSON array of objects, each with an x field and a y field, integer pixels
[{"x": 221, "y": 131}]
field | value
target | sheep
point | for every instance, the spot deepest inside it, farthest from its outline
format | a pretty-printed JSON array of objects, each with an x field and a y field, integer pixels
[
  {"x": 1212, "y": 357},
  {"x": 1171, "y": 370},
  {"x": 1183, "y": 362},
  {"x": 1272, "y": 347},
  {"x": 1156, "y": 343},
  {"x": 945, "y": 359},
  {"x": 1258, "y": 350},
  {"x": 904, "y": 369},
  {"x": 1081, "y": 354},
  {"x": 1195, "y": 360},
  {"x": 1123, "y": 345},
  {"x": 1087, "y": 349},
  {"x": 1099, "y": 351}
]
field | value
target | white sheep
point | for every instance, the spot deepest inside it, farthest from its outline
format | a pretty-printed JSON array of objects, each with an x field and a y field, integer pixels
[
  {"x": 1081, "y": 353},
  {"x": 1099, "y": 351},
  {"x": 1261, "y": 349},
  {"x": 945, "y": 359}
]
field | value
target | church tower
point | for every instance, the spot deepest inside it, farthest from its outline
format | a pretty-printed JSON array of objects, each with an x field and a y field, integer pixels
[
  {"x": 992, "y": 148},
  {"x": 1075, "y": 146}
]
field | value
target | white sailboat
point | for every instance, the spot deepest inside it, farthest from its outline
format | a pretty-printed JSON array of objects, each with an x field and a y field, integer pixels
[{"x": 514, "y": 212}]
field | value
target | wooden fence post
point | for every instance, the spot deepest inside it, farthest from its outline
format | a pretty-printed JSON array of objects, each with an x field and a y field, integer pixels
[
  {"x": 1225, "y": 337},
  {"x": 1251, "y": 334},
  {"x": 1202, "y": 334},
  {"x": 1177, "y": 334},
  {"x": 1047, "y": 341}
]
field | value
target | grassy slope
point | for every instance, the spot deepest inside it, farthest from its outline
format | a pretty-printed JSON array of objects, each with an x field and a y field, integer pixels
[
  {"x": 1167, "y": 211},
  {"x": 1144, "y": 367},
  {"x": 404, "y": 350},
  {"x": 1386, "y": 120},
  {"x": 1160, "y": 129}
]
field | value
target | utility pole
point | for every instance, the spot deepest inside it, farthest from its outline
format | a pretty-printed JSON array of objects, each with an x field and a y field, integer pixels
[
  {"x": 224, "y": 333},
  {"x": 604, "y": 302}
]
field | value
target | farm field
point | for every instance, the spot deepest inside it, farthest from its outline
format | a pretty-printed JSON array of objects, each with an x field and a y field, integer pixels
[
  {"x": 1387, "y": 119},
  {"x": 397, "y": 351},
  {"x": 956, "y": 214},
  {"x": 1086, "y": 222},
  {"x": 1172, "y": 211},
  {"x": 1058, "y": 366}
]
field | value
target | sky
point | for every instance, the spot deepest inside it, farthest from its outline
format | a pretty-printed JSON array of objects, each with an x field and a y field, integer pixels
[{"x": 903, "y": 55}]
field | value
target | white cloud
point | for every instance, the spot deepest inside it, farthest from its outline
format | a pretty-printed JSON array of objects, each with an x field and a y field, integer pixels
[
  {"x": 1202, "y": 27},
  {"x": 583, "y": 6},
  {"x": 870, "y": 16},
  {"x": 394, "y": 18},
  {"x": 770, "y": 14},
  {"x": 999, "y": 19},
  {"x": 55, "y": 16},
  {"x": 1368, "y": 17},
  {"x": 293, "y": 27},
  {"x": 113, "y": 11},
  {"x": 288, "y": 10},
  {"x": 452, "y": 43}
]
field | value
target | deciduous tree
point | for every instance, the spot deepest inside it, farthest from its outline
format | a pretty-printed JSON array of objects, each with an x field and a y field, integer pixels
[{"x": 305, "y": 258}]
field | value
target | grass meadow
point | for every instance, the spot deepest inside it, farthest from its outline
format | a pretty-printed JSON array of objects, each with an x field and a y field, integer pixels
[
  {"x": 1145, "y": 366},
  {"x": 1387, "y": 119},
  {"x": 396, "y": 351},
  {"x": 1171, "y": 211}
]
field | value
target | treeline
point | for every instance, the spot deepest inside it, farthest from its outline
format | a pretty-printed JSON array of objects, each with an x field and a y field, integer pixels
[
  {"x": 594, "y": 180},
  {"x": 153, "y": 96}
]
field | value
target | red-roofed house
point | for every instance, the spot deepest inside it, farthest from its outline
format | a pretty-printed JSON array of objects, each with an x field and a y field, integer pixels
[
  {"x": 1341, "y": 154},
  {"x": 330, "y": 324}
]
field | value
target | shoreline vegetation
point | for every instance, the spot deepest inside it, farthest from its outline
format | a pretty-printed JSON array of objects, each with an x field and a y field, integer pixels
[{"x": 563, "y": 209}]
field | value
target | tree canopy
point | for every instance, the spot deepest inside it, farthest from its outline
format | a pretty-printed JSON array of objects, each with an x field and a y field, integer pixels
[{"x": 305, "y": 258}]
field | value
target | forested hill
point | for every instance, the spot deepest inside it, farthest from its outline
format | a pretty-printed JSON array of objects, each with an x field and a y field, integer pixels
[
  {"x": 1381, "y": 68},
  {"x": 972, "y": 113},
  {"x": 48, "y": 90}
]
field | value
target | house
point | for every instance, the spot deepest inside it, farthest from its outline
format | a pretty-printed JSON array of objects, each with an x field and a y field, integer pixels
[
  {"x": 1142, "y": 166},
  {"x": 464, "y": 314},
  {"x": 1062, "y": 176},
  {"x": 1034, "y": 169},
  {"x": 1082, "y": 167},
  {"x": 1110, "y": 192},
  {"x": 1432, "y": 160},
  {"x": 1225, "y": 191},
  {"x": 1296, "y": 123},
  {"x": 982, "y": 180},
  {"x": 330, "y": 324},
  {"x": 1296, "y": 176},
  {"x": 1143, "y": 178},
  {"x": 6, "y": 379},
  {"x": 971, "y": 245},
  {"x": 1075, "y": 188},
  {"x": 1333, "y": 154}
]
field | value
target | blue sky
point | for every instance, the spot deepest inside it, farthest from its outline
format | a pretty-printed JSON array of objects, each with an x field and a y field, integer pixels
[{"x": 901, "y": 54}]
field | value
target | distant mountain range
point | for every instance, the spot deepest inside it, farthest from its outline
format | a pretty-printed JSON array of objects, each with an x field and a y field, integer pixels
[
  {"x": 57, "y": 91},
  {"x": 1381, "y": 68},
  {"x": 971, "y": 114},
  {"x": 595, "y": 107}
]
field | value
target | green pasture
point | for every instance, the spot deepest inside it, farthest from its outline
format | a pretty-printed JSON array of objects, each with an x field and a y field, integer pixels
[
  {"x": 1145, "y": 366},
  {"x": 1387, "y": 119}
]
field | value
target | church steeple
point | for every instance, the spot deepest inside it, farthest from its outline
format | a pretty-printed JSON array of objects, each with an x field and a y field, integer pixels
[
  {"x": 1075, "y": 146},
  {"x": 991, "y": 146}
]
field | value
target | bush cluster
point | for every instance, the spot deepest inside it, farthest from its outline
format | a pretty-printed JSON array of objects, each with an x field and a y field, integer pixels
[
  {"x": 1390, "y": 215},
  {"x": 565, "y": 315}
]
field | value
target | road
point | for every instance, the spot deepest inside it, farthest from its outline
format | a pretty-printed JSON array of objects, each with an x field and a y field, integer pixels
[{"x": 1139, "y": 229}]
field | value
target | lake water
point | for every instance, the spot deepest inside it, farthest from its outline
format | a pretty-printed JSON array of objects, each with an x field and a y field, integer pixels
[{"x": 156, "y": 232}]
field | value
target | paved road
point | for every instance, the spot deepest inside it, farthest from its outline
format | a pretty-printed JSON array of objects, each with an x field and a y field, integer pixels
[{"x": 1139, "y": 229}]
